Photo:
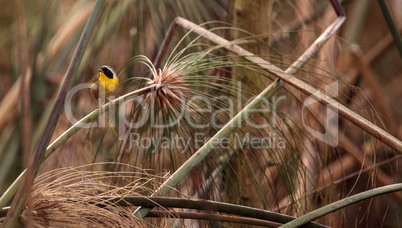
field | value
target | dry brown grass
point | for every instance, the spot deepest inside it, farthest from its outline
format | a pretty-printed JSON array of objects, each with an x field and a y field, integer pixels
[{"x": 75, "y": 197}]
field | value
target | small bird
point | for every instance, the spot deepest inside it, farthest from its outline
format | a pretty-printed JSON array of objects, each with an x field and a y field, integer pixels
[{"x": 104, "y": 84}]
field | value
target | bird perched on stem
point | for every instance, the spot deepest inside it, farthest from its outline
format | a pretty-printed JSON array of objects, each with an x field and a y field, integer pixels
[{"x": 104, "y": 84}]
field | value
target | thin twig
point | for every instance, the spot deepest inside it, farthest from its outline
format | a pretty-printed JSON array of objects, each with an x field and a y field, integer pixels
[
  {"x": 8, "y": 194},
  {"x": 341, "y": 204},
  {"x": 212, "y": 217},
  {"x": 365, "y": 162},
  {"x": 196, "y": 204},
  {"x": 286, "y": 76},
  {"x": 335, "y": 173},
  {"x": 157, "y": 63},
  {"x": 19, "y": 200},
  {"x": 196, "y": 158},
  {"x": 371, "y": 81},
  {"x": 391, "y": 25},
  {"x": 9, "y": 103}
]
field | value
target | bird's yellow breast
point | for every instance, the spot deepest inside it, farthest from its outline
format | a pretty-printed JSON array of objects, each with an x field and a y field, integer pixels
[{"x": 108, "y": 84}]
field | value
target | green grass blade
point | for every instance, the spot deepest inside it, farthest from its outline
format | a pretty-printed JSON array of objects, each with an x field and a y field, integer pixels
[
  {"x": 66, "y": 135},
  {"x": 341, "y": 204},
  {"x": 211, "y": 144},
  {"x": 19, "y": 201},
  {"x": 391, "y": 25}
]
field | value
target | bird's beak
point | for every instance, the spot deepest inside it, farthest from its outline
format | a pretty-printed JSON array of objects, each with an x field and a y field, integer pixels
[{"x": 100, "y": 70}]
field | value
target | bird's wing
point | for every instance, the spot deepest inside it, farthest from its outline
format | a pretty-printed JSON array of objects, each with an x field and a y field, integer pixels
[{"x": 95, "y": 79}]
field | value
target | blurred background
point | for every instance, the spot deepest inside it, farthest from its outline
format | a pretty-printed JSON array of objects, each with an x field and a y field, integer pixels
[{"x": 38, "y": 39}]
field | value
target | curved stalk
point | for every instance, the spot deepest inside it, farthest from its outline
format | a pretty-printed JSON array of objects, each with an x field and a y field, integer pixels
[
  {"x": 341, "y": 204},
  {"x": 287, "y": 76},
  {"x": 19, "y": 200},
  {"x": 391, "y": 24},
  {"x": 197, "y": 157},
  {"x": 8, "y": 194},
  {"x": 195, "y": 204}
]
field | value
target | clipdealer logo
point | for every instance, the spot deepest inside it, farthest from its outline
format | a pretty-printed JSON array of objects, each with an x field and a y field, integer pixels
[
  {"x": 330, "y": 136},
  {"x": 270, "y": 141}
]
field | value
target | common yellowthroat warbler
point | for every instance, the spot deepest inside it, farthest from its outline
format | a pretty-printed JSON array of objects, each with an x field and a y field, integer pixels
[{"x": 104, "y": 84}]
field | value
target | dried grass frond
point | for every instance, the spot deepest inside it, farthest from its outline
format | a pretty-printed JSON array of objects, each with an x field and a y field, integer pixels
[
  {"x": 86, "y": 196},
  {"x": 171, "y": 86}
]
